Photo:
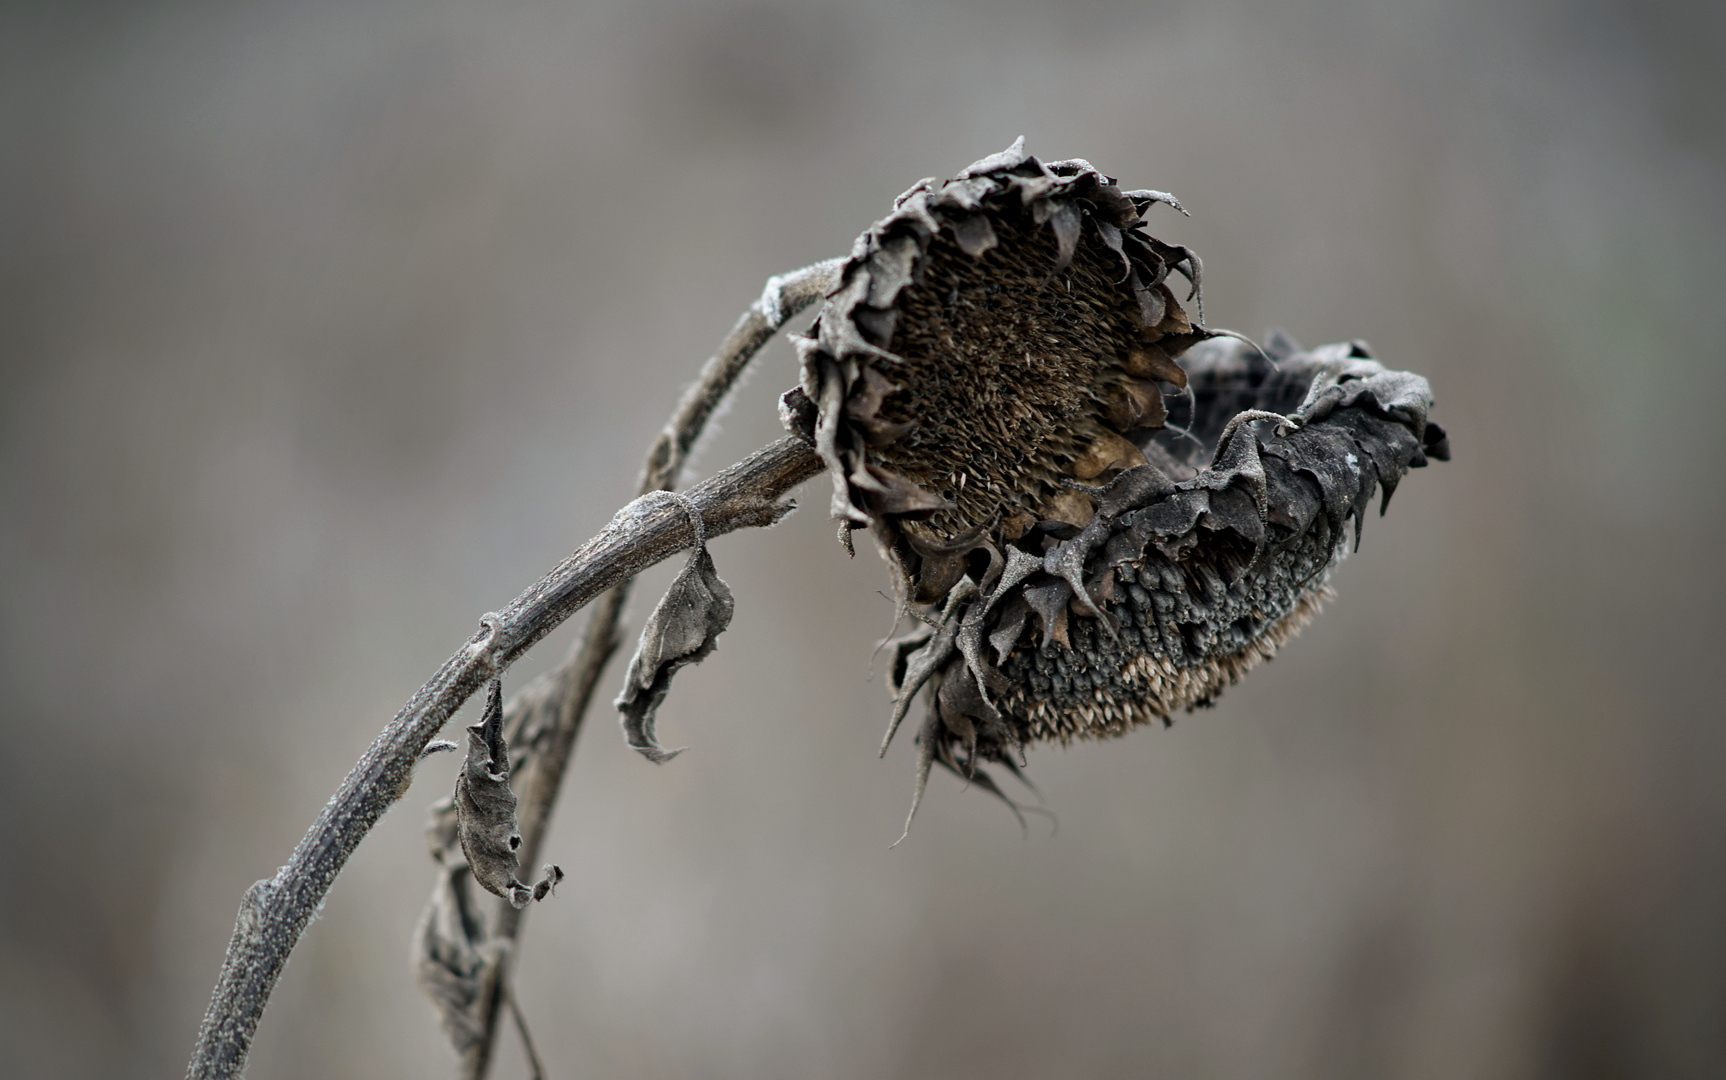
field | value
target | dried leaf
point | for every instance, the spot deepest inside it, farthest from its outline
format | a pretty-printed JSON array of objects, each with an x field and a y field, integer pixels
[
  {"x": 683, "y": 629},
  {"x": 485, "y": 810},
  {"x": 453, "y": 963}
]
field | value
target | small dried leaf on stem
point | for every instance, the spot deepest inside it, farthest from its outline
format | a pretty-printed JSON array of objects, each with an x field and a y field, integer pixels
[
  {"x": 550, "y": 713},
  {"x": 276, "y": 911},
  {"x": 485, "y": 811},
  {"x": 683, "y": 629}
]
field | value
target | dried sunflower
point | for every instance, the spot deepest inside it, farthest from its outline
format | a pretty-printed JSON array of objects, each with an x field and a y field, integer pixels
[{"x": 990, "y": 387}]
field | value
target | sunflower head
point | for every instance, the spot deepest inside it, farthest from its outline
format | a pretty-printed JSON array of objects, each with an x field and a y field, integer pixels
[{"x": 990, "y": 386}]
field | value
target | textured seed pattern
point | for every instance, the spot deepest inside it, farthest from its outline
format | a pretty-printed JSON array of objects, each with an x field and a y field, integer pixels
[
  {"x": 1184, "y": 635},
  {"x": 1026, "y": 355}
]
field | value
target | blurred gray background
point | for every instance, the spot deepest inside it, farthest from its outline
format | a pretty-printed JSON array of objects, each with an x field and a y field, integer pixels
[{"x": 325, "y": 328}]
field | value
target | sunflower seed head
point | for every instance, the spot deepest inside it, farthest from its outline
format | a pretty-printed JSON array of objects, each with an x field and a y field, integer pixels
[{"x": 1099, "y": 535}]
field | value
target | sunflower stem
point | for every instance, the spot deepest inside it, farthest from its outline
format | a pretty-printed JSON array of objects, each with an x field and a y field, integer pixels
[
  {"x": 275, "y": 911},
  {"x": 546, "y": 717}
]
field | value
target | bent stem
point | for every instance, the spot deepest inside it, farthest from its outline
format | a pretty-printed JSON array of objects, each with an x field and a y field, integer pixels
[
  {"x": 275, "y": 911},
  {"x": 546, "y": 716}
]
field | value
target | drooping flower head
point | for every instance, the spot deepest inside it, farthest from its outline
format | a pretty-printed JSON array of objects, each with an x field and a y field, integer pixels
[{"x": 990, "y": 387}]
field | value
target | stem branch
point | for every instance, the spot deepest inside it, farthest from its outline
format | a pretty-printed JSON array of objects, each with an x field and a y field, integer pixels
[{"x": 275, "y": 911}]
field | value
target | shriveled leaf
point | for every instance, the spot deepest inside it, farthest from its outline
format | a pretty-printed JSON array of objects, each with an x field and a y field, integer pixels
[
  {"x": 683, "y": 629},
  {"x": 485, "y": 810},
  {"x": 453, "y": 963}
]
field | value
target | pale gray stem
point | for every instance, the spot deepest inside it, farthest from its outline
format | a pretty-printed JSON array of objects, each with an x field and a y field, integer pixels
[
  {"x": 536, "y": 1066},
  {"x": 275, "y": 911},
  {"x": 556, "y": 717},
  {"x": 784, "y": 296}
]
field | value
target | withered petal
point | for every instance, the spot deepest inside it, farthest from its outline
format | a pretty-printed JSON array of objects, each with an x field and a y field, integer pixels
[
  {"x": 1006, "y": 161},
  {"x": 891, "y": 493},
  {"x": 1145, "y": 361},
  {"x": 1132, "y": 489},
  {"x": 1107, "y": 451},
  {"x": 1135, "y": 404},
  {"x": 974, "y": 234},
  {"x": 1111, "y": 237},
  {"x": 1065, "y": 220},
  {"x": 1010, "y": 624},
  {"x": 1174, "y": 321},
  {"x": 1152, "y": 304}
]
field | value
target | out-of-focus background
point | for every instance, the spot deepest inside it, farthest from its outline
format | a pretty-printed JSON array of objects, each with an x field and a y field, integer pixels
[{"x": 325, "y": 328}]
